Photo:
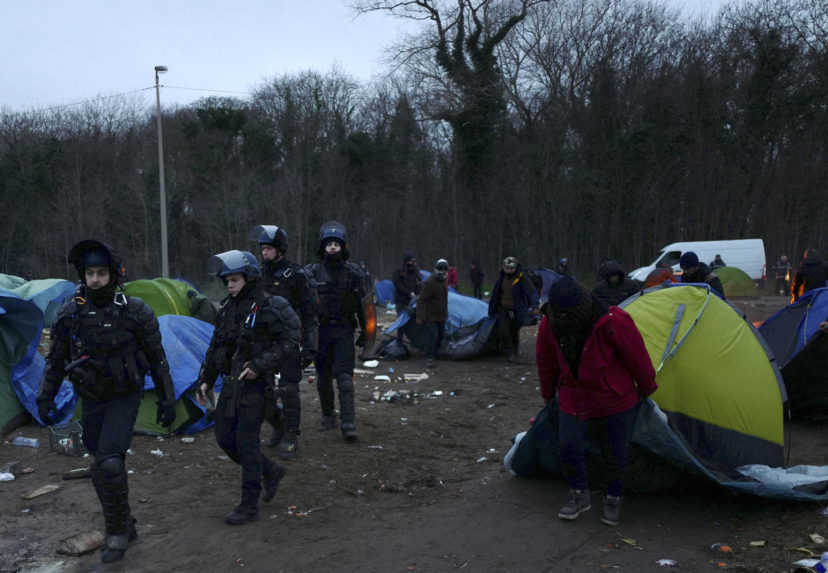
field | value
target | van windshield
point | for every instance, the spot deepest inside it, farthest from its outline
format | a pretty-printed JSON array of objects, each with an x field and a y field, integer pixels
[{"x": 669, "y": 259}]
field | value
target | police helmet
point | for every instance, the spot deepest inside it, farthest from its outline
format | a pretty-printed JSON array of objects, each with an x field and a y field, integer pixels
[
  {"x": 333, "y": 231},
  {"x": 269, "y": 235},
  {"x": 235, "y": 261},
  {"x": 93, "y": 253}
]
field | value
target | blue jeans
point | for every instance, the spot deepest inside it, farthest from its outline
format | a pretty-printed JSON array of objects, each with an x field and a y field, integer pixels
[{"x": 614, "y": 434}]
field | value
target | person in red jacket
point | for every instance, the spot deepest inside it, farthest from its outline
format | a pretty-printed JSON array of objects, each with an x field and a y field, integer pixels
[{"x": 591, "y": 361}]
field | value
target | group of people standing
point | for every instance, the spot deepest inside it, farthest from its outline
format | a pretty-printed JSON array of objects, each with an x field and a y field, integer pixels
[{"x": 276, "y": 319}]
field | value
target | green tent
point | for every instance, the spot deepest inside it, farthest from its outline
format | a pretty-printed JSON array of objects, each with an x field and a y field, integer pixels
[
  {"x": 717, "y": 383},
  {"x": 736, "y": 282},
  {"x": 185, "y": 413},
  {"x": 172, "y": 296}
]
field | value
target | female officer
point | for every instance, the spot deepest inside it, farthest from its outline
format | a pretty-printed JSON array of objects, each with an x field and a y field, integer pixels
[{"x": 254, "y": 334}]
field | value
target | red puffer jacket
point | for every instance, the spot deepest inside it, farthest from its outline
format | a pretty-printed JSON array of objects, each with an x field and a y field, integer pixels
[{"x": 614, "y": 359}]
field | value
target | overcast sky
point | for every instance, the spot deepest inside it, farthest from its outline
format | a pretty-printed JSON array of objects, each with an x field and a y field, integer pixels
[{"x": 59, "y": 52}]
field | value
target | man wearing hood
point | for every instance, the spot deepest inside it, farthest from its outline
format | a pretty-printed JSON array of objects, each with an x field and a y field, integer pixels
[
  {"x": 513, "y": 302},
  {"x": 614, "y": 286},
  {"x": 694, "y": 271},
  {"x": 594, "y": 367},
  {"x": 407, "y": 284},
  {"x": 340, "y": 287},
  {"x": 476, "y": 276},
  {"x": 812, "y": 274},
  {"x": 432, "y": 307}
]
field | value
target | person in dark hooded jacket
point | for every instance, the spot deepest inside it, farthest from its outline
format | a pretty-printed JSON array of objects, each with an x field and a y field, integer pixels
[
  {"x": 407, "y": 282},
  {"x": 812, "y": 273},
  {"x": 513, "y": 302},
  {"x": 694, "y": 271},
  {"x": 614, "y": 286}
]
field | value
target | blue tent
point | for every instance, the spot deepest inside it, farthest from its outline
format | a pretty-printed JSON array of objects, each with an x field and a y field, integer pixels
[{"x": 801, "y": 351}]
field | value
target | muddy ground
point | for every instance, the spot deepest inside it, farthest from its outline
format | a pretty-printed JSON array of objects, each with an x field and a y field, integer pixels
[{"x": 424, "y": 489}]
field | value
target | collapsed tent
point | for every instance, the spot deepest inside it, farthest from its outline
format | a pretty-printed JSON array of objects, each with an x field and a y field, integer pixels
[
  {"x": 26, "y": 307},
  {"x": 468, "y": 328},
  {"x": 719, "y": 406},
  {"x": 736, "y": 282},
  {"x": 801, "y": 349}
]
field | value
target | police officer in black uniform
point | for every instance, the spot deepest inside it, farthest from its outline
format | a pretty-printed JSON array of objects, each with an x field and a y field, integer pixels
[
  {"x": 340, "y": 288},
  {"x": 280, "y": 277},
  {"x": 105, "y": 342},
  {"x": 254, "y": 334}
]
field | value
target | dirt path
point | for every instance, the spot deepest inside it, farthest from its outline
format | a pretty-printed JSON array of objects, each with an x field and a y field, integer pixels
[{"x": 414, "y": 494}]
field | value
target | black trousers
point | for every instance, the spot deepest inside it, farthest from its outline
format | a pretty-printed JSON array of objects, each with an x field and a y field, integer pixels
[
  {"x": 435, "y": 337},
  {"x": 509, "y": 329},
  {"x": 107, "y": 433},
  {"x": 239, "y": 416},
  {"x": 478, "y": 290},
  {"x": 336, "y": 359},
  {"x": 289, "y": 378},
  {"x": 108, "y": 424}
]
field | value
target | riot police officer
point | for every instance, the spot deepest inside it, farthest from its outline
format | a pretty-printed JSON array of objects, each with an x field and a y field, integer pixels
[
  {"x": 339, "y": 286},
  {"x": 280, "y": 277},
  {"x": 105, "y": 342},
  {"x": 253, "y": 335}
]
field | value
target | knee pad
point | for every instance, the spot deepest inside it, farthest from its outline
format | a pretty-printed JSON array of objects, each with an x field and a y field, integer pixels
[
  {"x": 345, "y": 383},
  {"x": 112, "y": 465}
]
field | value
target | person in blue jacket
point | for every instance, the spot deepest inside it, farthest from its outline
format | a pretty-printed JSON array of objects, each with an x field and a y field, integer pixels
[{"x": 514, "y": 303}]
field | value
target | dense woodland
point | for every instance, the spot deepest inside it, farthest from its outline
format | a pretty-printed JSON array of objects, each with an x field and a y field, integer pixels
[{"x": 579, "y": 128}]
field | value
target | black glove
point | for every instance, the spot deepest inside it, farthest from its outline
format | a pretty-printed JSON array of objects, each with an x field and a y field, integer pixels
[
  {"x": 166, "y": 413},
  {"x": 308, "y": 356},
  {"x": 360, "y": 341},
  {"x": 43, "y": 408}
]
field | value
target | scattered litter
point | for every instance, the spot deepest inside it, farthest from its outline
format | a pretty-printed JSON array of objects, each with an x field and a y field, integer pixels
[
  {"x": 143, "y": 500},
  {"x": 78, "y": 473},
  {"x": 130, "y": 472},
  {"x": 452, "y": 394},
  {"x": 761, "y": 543},
  {"x": 667, "y": 562},
  {"x": 361, "y": 372},
  {"x": 413, "y": 378},
  {"x": 523, "y": 378},
  {"x": 27, "y": 510},
  {"x": 817, "y": 538},
  {"x": 158, "y": 453},
  {"x": 375, "y": 448},
  {"x": 811, "y": 563},
  {"x": 159, "y": 438},
  {"x": 436, "y": 393},
  {"x": 481, "y": 459},
  {"x": 129, "y": 451},
  {"x": 404, "y": 420},
  {"x": 721, "y": 547},
  {"x": 42, "y": 490},
  {"x": 86, "y": 455},
  {"x": 371, "y": 363},
  {"x": 223, "y": 458},
  {"x": 81, "y": 543},
  {"x": 24, "y": 441},
  {"x": 27, "y": 470},
  {"x": 804, "y": 550},
  {"x": 630, "y": 541},
  {"x": 491, "y": 451},
  {"x": 6, "y": 476},
  {"x": 188, "y": 439},
  {"x": 323, "y": 466},
  {"x": 382, "y": 378},
  {"x": 608, "y": 566},
  {"x": 240, "y": 562},
  {"x": 490, "y": 406},
  {"x": 391, "y": 370}
]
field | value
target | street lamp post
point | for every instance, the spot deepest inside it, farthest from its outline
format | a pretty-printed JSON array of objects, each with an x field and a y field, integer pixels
[{"x": 165, "y": 263}]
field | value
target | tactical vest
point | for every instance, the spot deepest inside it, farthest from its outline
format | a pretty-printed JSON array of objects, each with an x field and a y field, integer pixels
[
  {"x": 338, "y": 295},
  {"x": 282, "y": 282},
  {"x": 108, "y": 337}
]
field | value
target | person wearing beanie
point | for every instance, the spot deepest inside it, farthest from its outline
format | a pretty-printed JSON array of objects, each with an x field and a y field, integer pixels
[
  {"x": 432, "y": 308},
  {"x": 694, "y": 271},
  {"x": 513, "y": 303},
  {"x": 594, "y": 367},
  {"x": 105, "y": 342}
]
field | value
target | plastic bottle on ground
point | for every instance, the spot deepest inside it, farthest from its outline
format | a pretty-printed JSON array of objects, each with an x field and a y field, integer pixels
[{"x": 24, "y": 441}]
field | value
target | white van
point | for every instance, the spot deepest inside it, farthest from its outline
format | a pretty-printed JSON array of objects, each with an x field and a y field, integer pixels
[{"x": 745, "y": 254}]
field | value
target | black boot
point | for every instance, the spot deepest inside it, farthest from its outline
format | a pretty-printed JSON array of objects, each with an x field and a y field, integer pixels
[
  {"x": 242, "y": 514},
  {"x": 276, "y": 436},
  {"x": 327, "y": 422},
  {"x": 110, "y": 479},
  {"x": 289, "y": 446},
  {"x": 271, "y": 476},
  {"x": 346, "y": 405}
]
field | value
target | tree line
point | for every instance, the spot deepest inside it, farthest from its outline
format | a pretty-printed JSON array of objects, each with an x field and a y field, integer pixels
[{"x": 589, "y": 129}]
